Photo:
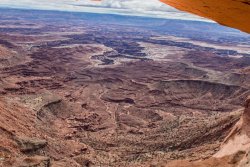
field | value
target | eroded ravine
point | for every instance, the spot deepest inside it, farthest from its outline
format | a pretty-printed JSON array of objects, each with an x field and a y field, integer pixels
[{"x": 71, "y": 105}]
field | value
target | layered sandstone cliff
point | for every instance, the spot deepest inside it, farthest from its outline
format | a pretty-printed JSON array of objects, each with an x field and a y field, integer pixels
[
  {"x": 232, "y": 13},
  {"x": 234, "y": 152},
  {"x": 239, "y": 138}
]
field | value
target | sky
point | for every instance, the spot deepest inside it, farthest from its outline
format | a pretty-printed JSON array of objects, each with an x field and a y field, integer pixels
[{"x": 149, "y": 8}]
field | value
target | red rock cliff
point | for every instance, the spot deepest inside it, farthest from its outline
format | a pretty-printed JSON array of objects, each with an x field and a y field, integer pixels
[{"x": 232, "y": 13}]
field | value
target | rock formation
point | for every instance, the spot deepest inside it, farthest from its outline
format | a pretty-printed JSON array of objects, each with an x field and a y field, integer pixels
[
  {"x": 234, "y": 152},
  {"x": 119, "y": 96},
  {"x": 239, "y": 138},
  {"x": 232, "y": 13}
]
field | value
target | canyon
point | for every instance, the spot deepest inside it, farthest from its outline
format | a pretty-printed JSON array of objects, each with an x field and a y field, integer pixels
[{"x": 81, "y": 89}]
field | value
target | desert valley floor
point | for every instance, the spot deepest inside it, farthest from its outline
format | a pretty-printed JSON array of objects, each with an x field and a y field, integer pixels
[{"x": 103, "y": 90}]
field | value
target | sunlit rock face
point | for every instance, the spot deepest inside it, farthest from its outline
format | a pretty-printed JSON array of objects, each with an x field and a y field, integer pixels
[{"x": 232, "y": 13}]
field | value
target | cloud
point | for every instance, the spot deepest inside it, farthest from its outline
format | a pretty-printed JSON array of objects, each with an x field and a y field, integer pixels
[
  {"x": 149, "y": 8},
  {"x": 148, "y": 5}
]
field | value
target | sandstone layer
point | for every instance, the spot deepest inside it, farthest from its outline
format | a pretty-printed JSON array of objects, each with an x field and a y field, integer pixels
[
  {"x": 81, "y": 89},
  {"x": 232, "y": 13}
]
